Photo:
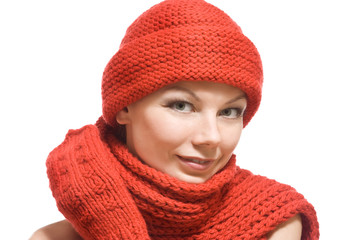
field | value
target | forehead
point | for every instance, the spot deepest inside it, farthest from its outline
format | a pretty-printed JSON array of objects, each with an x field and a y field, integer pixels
[
  {"x": 203, "y": 86},
  {"x": 200, "y": 90}
]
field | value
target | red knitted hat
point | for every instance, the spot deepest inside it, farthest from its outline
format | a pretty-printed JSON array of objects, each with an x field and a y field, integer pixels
[{"x": 181, "y": 40}]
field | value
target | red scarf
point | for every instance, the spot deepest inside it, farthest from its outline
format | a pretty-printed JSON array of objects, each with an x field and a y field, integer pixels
[{"x": 107, "y": 193}]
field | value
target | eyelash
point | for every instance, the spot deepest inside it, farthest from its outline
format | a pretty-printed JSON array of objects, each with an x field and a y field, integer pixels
[
  {"x": 172, "y": 105},
  {"x": 239, "y": 112}
]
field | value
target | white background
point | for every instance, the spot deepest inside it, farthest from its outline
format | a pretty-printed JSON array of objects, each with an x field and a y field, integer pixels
[{"x": 306, "y": 133}]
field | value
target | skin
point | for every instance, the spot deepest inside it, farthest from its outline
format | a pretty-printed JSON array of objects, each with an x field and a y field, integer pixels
[
  {"x": 290, "y": 230},
  {"x": 184, "y": 121},
  {"x": 56, "y": 231},
  {"x": 171, "y": 127}
]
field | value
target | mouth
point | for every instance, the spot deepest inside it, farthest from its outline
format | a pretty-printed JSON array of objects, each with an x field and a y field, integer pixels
[{"x": 195, "y": 163}]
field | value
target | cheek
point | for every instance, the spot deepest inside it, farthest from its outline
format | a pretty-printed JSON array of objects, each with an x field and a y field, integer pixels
[
  {"x": 160, "y": 131},
  {"x": 230, "y": 137}
]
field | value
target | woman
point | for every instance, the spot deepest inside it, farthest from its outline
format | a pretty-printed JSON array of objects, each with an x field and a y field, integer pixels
[{"x": 159, "y": 163}]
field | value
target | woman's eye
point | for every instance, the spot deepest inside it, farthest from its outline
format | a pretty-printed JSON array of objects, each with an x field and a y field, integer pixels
[
  {"x": 182, "y": 106},
  {"x": 231, "y": 112}
]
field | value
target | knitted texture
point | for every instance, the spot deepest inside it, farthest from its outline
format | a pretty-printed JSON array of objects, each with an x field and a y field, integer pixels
[
  {"x": 107, "y": 193},
  {"x": 84, "y": 177},
  {"x": 181, "y": 40}
]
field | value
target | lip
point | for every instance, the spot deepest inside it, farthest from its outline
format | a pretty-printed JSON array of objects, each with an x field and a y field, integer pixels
[{"x": 195, "y": 163}]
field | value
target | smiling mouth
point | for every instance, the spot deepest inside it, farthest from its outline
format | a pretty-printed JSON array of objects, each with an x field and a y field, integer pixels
[{"x": 196, "y": 163}]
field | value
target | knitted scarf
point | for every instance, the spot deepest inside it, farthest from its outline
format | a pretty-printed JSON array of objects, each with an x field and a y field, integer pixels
[{"x": 107, "y": 193}]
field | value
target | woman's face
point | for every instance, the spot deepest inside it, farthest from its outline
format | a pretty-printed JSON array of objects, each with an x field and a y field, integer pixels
[{"x": 187, "y": 130}]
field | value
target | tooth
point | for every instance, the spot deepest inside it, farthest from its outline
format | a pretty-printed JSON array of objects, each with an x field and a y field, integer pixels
[{"x": 196, "y": 161}]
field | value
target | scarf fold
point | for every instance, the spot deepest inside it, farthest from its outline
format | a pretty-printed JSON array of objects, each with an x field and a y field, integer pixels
[{"x": 107, "y": 193}]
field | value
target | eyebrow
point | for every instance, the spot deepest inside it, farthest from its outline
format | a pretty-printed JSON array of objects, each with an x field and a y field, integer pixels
[
  {"x": 241, "y": 96},
  {"x": 185, "y": 90}
]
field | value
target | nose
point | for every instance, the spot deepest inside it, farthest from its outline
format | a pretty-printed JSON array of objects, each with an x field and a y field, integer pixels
[{"x": 207, "y": 132}]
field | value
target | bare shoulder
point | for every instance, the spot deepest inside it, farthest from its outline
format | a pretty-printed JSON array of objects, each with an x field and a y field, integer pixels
[
  {"x": 56, "y": 231},
  {"x": 289, "y": 230}
]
